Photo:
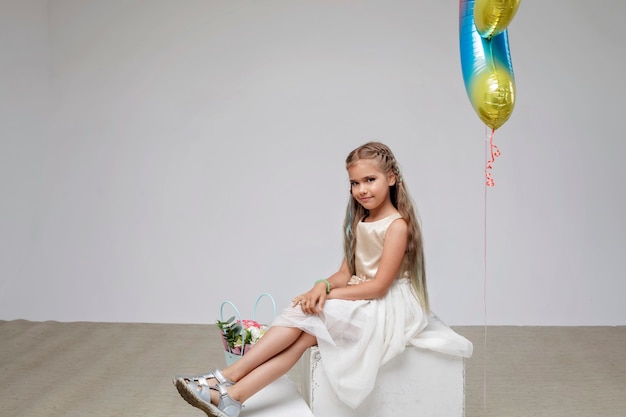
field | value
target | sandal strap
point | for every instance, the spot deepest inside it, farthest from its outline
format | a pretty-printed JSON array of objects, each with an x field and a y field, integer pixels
[
  {"x": 203, "y": 379},
  {"x": 220, "y": 388},
  {"x": 204, "y": 392},
  {"x": 221, "y": 378},
  {"x": 227, "y": 404}
]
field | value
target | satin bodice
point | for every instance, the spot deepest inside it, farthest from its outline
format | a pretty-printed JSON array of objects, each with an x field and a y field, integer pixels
[{"x": 370, "y": 238}]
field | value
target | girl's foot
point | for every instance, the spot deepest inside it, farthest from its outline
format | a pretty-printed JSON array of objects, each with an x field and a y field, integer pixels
[{"x": 214, "y": 401}]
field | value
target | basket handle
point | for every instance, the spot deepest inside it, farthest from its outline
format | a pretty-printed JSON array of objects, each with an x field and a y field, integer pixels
[
  {"x": 237, "y": 314},
  {"x": 268, "y": 295}
]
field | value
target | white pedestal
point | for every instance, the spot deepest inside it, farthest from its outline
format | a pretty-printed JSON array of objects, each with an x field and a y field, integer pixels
[
  {"x": 416, "y": 383},
  {"x": 279, "y": 399}
]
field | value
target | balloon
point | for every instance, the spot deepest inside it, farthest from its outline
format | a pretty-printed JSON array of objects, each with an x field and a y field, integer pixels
[
  {"x": 487, "y": 70},
  {"x": 492, "y": 17}
]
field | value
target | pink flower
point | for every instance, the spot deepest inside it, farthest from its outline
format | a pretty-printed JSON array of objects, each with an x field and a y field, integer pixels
[{"x": 247, "y": 324}]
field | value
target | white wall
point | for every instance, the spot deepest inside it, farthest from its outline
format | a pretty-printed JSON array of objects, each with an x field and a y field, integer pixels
[{"x": 158, "y": 157}]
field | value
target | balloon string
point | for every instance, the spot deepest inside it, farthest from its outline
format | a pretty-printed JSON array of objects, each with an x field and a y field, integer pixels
[
  {"x": 494, "y": 152},
  {"x": 488, "y": 183}
]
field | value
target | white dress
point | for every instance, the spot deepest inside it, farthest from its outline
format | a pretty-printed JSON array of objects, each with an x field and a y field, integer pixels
[{"x": 356, "y": 337}]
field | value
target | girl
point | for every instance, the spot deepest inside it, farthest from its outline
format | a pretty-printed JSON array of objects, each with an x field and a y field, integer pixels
[{"x": 360, "y": 317}]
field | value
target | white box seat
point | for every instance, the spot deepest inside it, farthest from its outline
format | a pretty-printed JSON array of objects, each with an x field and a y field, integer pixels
[
  {"x": 278, "y": 399},
  {"x": 418, "y": 382}
]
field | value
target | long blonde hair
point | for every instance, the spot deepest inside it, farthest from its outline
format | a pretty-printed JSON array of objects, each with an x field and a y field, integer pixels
[{"x": 401, "y": 200}]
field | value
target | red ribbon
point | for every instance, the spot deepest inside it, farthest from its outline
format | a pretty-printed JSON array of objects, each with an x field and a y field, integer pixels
[{"x": 494, "y": 152}]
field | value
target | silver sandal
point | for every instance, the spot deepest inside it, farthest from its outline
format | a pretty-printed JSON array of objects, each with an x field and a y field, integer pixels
[
  {"x": 227, "y": 407},
  {"x": 200, "y": 397},
  {"x": 202, "y": 379}
]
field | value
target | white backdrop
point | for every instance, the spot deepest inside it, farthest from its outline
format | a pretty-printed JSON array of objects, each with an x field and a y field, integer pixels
[{"x": 158, "y": 157}]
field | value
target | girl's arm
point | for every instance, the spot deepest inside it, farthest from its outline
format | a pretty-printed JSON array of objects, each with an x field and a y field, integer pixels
[
  {"x": 312, "y": 301},
  {"x": 340, "y": 278},
  {"x": 394, "y": 247}
]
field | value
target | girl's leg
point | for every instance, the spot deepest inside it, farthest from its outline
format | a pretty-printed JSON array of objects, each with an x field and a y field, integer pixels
[
  {"x": 276, "y": 356},
  {"x": 269, "y": 370},
  {"x": 275, "y": 341}
]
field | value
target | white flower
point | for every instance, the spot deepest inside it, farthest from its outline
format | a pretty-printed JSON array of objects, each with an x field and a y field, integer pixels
[{"x": 256, "y": 334}]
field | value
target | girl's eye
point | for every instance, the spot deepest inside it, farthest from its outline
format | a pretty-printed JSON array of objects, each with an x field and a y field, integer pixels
[
  {"x": 353, "y": 183},
  {"x": 371, "y": 179}
]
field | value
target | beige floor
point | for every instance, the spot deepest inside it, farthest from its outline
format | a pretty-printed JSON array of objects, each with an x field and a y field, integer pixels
[{"x": 106, "y": 369}]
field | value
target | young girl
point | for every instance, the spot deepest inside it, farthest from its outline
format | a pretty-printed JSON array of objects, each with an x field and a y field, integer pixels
[{"x": 360, "y": 317}]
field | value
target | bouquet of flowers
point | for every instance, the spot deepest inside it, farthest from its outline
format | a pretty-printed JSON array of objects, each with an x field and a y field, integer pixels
[{"x": 240, "y": 335}]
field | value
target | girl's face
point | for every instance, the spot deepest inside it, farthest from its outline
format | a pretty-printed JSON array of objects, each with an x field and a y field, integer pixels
[{"x": 370, "y": 186}]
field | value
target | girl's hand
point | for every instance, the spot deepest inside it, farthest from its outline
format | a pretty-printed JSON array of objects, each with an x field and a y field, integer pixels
[{"x": 312, "y": 301}]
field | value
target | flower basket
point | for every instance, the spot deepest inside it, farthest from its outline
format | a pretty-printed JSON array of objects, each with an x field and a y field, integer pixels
[{"x": 238, "y": 335}]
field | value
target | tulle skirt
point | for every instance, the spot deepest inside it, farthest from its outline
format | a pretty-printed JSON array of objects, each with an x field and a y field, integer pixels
[{"x": 356, "y": 337}]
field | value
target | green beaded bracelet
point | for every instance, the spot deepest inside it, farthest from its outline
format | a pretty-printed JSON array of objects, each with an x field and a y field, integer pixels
[{"x": 325, "y": 281}]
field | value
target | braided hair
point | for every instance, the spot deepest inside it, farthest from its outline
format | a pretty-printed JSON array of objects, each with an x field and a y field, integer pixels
[{"x": 401, "y": 200}]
